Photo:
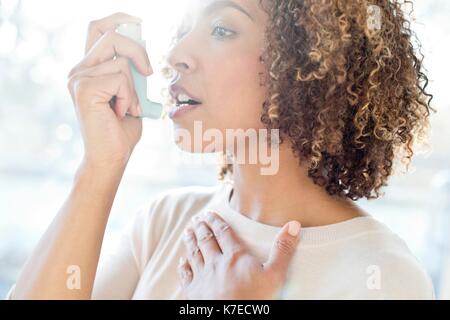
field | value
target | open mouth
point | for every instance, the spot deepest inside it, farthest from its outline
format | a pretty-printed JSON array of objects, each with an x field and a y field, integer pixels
[
  {"x": 182, "y": 102},
  {"x": 183, "y": 99}
]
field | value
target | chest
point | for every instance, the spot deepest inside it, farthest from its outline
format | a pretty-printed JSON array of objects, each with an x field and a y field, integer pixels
[{"x": 312, "y": 275}]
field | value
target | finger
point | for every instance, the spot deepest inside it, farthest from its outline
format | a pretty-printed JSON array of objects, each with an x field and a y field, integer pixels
[
  {"x": 226, "y": 238},
  {"x": 114, "y": 66},
  {"x": 98, "y": 27},
  {"x": 194, "y": 255},
  {"x": 283, "y": 248},
  {"x": 111, "y": 45},
  {"x": 184, "y": 272},
  {"x": 206, "y": 241},
  {"x": 103, "y": 88}
]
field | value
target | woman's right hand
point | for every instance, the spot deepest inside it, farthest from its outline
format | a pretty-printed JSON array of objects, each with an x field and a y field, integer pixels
[{"x": 104, "y": 72}]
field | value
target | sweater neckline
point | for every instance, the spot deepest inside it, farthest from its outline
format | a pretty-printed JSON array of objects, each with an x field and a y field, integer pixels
[{"x": 252, "y": 230}]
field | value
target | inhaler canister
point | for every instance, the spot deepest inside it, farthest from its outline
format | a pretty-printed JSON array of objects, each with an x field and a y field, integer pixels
[{"x": 149, "y": 109}]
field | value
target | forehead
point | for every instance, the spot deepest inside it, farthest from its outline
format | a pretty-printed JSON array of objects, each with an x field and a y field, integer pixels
[{"x": 194, "y": 8}]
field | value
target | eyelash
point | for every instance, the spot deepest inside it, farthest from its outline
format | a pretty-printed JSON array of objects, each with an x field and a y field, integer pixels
[
  {"x": 182, "y": 33},
  {"x": 218, "y": 26}
]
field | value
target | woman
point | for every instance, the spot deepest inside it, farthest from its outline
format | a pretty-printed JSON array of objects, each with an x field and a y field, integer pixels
[{"x": 341, "y": 83}]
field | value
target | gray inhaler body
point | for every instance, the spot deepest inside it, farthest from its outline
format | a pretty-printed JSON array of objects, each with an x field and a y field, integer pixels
[{"x": 149, "y": 108}]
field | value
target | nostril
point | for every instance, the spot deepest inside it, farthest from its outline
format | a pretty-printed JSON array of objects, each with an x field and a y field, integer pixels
[{"x": 182, "y": 65}]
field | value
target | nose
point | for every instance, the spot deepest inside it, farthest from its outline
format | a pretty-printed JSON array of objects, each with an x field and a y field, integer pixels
[{"x": 180, "y": 58}]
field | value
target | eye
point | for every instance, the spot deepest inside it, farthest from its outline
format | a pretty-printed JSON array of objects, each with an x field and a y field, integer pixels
[{"x": 222, "y": 32}]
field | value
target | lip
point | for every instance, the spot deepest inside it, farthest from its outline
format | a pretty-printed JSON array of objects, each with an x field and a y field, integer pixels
[
  {"x": 177, "y": 112},
  {"x": 175, "y": 90}
]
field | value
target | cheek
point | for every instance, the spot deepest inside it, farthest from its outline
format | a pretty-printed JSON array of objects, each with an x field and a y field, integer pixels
[{"x": 238, "y": 95}]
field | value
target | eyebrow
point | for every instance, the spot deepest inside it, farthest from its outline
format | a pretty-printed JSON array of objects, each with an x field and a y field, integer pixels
[{"x": 217, "y": 5}]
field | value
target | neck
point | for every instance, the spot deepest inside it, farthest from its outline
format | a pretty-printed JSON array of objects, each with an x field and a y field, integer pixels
[{"x": 287, "y": 195}]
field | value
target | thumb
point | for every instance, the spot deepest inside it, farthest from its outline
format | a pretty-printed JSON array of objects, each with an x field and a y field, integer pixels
[{"x": 283, "y": 248}]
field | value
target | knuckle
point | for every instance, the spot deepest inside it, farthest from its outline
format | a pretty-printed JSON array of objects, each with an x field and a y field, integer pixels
[
  {"x": 205, "y": 237},
  {"x": 79, "y": 90},
  {"x": 72, "y": 72},
  {"x": 72, "y": 81},
  {"x": 194, "y": 250},
  {"x": 93, "y": 24},
  {"x": 221, "y": 229},
  {"x": 285, "y": 245},
  {"x": 81, "y": 87}
]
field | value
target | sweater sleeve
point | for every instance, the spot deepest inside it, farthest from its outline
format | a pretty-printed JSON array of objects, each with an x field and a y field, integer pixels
[
  {"x": 405, "y": 278},
  {"x": 396, "y": 275}
]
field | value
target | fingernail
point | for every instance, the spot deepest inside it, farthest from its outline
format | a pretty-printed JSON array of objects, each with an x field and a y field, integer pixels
[{"x": 294, "y": 228}]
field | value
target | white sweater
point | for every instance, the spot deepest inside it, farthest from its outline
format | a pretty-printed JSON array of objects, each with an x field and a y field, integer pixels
[{"x": 360, "y": 258}]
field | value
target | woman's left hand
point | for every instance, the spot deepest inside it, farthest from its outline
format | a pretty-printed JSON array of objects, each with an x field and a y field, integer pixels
[{"x": 219, "y": 267}]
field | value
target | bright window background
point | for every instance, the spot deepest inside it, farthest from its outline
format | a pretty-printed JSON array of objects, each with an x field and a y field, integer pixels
[{"x": 40, "y": 144}]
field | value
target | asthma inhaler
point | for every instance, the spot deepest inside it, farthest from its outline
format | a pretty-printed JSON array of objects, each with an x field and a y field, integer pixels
[{"x": 149, "y": 109}]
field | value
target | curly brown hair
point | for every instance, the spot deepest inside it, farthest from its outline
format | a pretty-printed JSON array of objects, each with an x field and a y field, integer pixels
[{"x": 350, "y": 97}]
